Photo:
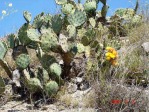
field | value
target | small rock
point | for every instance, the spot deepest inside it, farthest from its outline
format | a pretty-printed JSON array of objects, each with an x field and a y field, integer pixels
[
  {"x": 79, "y": 80},
  {"x": 72, "y": 88},
  {"x": 16, "y": 78},
  {"x": 84, "y": 86},
  {"x": 145, "y": 46}
]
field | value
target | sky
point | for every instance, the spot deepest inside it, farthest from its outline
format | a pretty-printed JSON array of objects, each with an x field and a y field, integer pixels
[{"x": 11, "y": 11}]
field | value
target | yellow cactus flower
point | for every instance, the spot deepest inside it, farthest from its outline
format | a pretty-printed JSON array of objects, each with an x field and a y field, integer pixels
[
  {"x": 110, "y": 49},
  {"x": 111, "y": 55},
  {"x": 108, "y": 58},
  {"x": 107, "y": 54},
  {"x": 114, "y": 52}
]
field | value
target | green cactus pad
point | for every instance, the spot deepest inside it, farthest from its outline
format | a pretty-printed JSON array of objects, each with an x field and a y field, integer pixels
[
  {"x": 89, "y": 36},
  {"x": 3, "y": 50},
  {"x": 92, "y": 22},
  {"x": 90, "y": 6},
  {"x": 38, "y": 20},
  {"x": 45, "y": 75},
  {"x": 11, "y": 41},
  {"x": 61, "y": 2},
  {"x": 136, "y": 19},
  {"x": 81, "y": 32},
  {"x": 56, "y": 23},
  {"x": 27, "y": 16},
  {"x": 22, "y": 34},
  {"x": 46, "y": 22},
  {"x": 33, "y": 85},
  {"x": 104, "y": 10},
  {"x": 22, "y": 61},
  {"x": 51, "y": 88},
  {"x": 67, "y": 8},
  {"x": 125, "y": 13},
  {"x": 55, "y": 69},
  {"x": 94, "y": 44},
  {"x": 77, "y": 18},
  {"x": 80, "y": 48},
  {"x": 49, "y": 40},
  {"x": 33, "y": 35},
  {"x": 46, "y": 60},
  {"x": 63, "y": 42},
  {"x": 79, "y": 7},
  {"x": 71, "y": 31},
  {"x": 2, "y": 86},
  {"x": 42, "y": 74}
]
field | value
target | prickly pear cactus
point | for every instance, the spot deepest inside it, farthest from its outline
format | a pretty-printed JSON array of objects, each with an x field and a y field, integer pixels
[
  {"x": 56, "y": 23},
  {"x": 46, "y": 60},
  {"x": 33, "y": 35},
  {"x": 27, "y": 16},
  {"x": 49, "y": 40},
  {"x": 11, "y": 41},
  {"x": 90, "y": 6},
  {"x": 33, "y": 85},
  {"x": 55, "y": 69},
  {"x": 125, "y": 13},
  {"x": 67, "y": 9},
  {"x": 92, "y": 22},
  {"x": 88, "y": 37},
  {"x": 22, "y": 34},
  {"x": 71, "y": 31},
  {"x": 51, "y": 88},
  {"x": 104, "y": 10},
  {"x": 61, "y": 2},
  {"x": 80, "y": 48},
  {"x": 3, "y": 50},
  {"x": 38, "y": 21},
  {"x": 77, "y": 18},
  {"x": 63, "y": 43},
  {"x": 22, "y": 61}
]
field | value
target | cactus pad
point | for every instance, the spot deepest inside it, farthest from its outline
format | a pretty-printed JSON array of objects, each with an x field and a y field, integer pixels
[
  {"x": 38, "y": 20},
  {"x": 33, "y": 85},
  {"x": 46, "y": 60},
  {"x": 92, "y": 22},
  {"x": 61, "y": 2},
  {"x": 11, "y": 41},
  {"x": 90, "y": 6},
  {"x": 49, "y": 40},
  {"x": 71, "y": 31},
  {"x": 80, "y": 48},
  {"x": 22, "y": 61},
  {"x": 33, "y": 35},
  {"x": 22, "y": 34},
  {"x": 63, "y": 42},
  {"x": 125, "y": 13},
  {"x": 3, "y": 50},
  {"x": 77, "y": 18},
  {"x": 51, "y": 88},
  {"x": 27, "y": 16},
  {"x": 55, "y": 69},
  {"x": 67, "y": 8},
  {"x": 56, "y": 23}
]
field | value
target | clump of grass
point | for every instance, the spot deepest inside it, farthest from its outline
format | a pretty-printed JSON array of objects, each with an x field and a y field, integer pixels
[{"x": 115, "y": 96}]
